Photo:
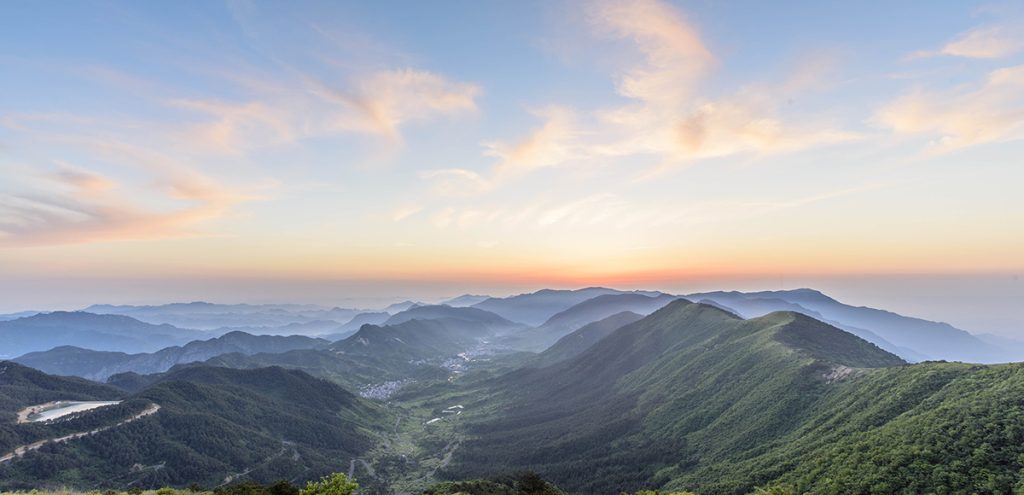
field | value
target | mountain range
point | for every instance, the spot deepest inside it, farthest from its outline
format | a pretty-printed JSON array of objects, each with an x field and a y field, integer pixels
[
  {"x": 693, "y": 397},
  {"x": 99, "y": 365},
  {"x": 45, "y": 331},
  {"x": 715, "y": 393},
  {"x": 913, "y": 338}
]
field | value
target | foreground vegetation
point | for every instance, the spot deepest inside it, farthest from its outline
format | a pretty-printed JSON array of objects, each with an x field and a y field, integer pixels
[{"x": 339, "y": 484}]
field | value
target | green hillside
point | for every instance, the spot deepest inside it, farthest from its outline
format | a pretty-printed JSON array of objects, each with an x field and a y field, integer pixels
[
  {"x": 214, "y": 425},
  {"x": 687, "y": 386},
  {"x": 582, "y": 339},
  {"x": 21, "y": 386},
  {"x": 413, "y": 339}
]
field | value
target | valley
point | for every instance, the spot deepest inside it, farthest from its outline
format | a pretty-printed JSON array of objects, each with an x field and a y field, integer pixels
[{"x": 684, "y": 392}]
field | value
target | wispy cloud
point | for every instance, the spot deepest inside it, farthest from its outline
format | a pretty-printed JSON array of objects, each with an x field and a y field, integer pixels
[
  {"x": 404, "y": 212},
  {"x": 605, "y": 212},
  {"x": 377, "y": 103},
  {"x": 84, "y": 181},
  {"x": 552, "y": 143},
  {"x": 457, "y": 181},
  {"x": 146, "y": 194},
  {"x": 666, "y": 118},
  {"x": 962, "y": 116},
  {"x": 382, "y": 101},
  {"x": 672, "y": 120},
  {"x": 674, "y": 56},
  {"x": 84, "y": 208},
  {"x": 988, "y": 42}
]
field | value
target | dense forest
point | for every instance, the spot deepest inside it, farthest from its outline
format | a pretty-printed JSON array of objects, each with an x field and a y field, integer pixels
[
  {"x": 259, "y": 424},
  {"x": 693, "y": 398}
]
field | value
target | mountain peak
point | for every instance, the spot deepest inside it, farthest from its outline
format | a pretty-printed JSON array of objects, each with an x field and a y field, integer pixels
[{"x": 823, "y": 341}]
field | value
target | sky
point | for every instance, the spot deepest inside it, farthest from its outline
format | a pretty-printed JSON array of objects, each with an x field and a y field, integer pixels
[{"x": 343, "y": 152}]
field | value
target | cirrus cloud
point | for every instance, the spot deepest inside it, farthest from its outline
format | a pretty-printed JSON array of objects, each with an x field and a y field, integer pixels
[
  {"x": 377, "y": 103},
  {"x": 665, "y": 119},
  {"x": 963, "y": 116},
  {"x": 986, "y": 42}
]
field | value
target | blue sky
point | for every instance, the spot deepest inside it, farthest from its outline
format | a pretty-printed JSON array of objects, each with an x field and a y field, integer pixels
[{"x": 418, "y": 148}]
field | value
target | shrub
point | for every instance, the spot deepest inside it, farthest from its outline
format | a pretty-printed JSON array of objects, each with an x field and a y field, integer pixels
[{"x": 335, "y": 484}]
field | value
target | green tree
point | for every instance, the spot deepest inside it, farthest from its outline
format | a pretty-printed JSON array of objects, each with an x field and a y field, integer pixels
[
  {"x": 335, "y": 484},
  {"x": 774, "y": 490}
]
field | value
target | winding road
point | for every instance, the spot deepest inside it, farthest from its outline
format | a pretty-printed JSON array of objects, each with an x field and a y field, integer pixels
[{"x": 23, "y": 449}]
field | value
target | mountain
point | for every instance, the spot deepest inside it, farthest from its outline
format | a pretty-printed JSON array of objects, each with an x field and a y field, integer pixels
[
  {"x": 213, "y": 425},
  {"x": 604, "y": 306},
  {"x": 1007, "y": 344},
  {"x": 753, "y": 307},
  {"x": 414, "y": 339},
  {"x": 465, "y": 300},
  {"x": 487, "y": 319},
  {"x": 914, "y": 338},
  {"x": 584, "y": 338},
  {"x": 591, "y": 310},
  {"x": 21, "y": 386},
  {"x": 694, "y": 398},
  {"x": 211, "y": 316},
  {"x": 99, "y": 332},
  {"x": 352, "y": 371},
  {"x": 20, "y": 314},
  {"x": 689, "y": 381},
  {"x": 357, "y": 321},
  {"x": 99, "y": 365},
  {"x": 416, "y": 349},
  {"x": 400, "y": 306},
  {"x": 535, "y": 308},
  {"x": 311, "y": 328}
]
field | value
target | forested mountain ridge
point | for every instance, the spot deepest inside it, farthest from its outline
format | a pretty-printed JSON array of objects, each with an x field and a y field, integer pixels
[
  {"x": 913, "y": 338},
  {"x": 413, "y": 339},
  {"x": 589, "y": 311},
  {"x": 582, "y": 339},
  {"x": 99, "y": 365},
  {"x": 214, "y": 424},
  {"x": 694, "y": 398},
  {"x": 22, "y": 386},
  {"x": 689, "y": 380}
]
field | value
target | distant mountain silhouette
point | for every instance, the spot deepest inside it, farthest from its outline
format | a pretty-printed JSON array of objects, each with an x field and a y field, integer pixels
[
  {"x": 465, "y": 300},
  {"x": 535, "y": 308},
  {"x": 583, "y": 338},
  {"x": 99, "y": 365},
  {"x": 211, "y": 316},
  {"x": 433, "y": 312},
  {"x": 98, "y": 332},
  {"x": 913, "y": 338}
]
